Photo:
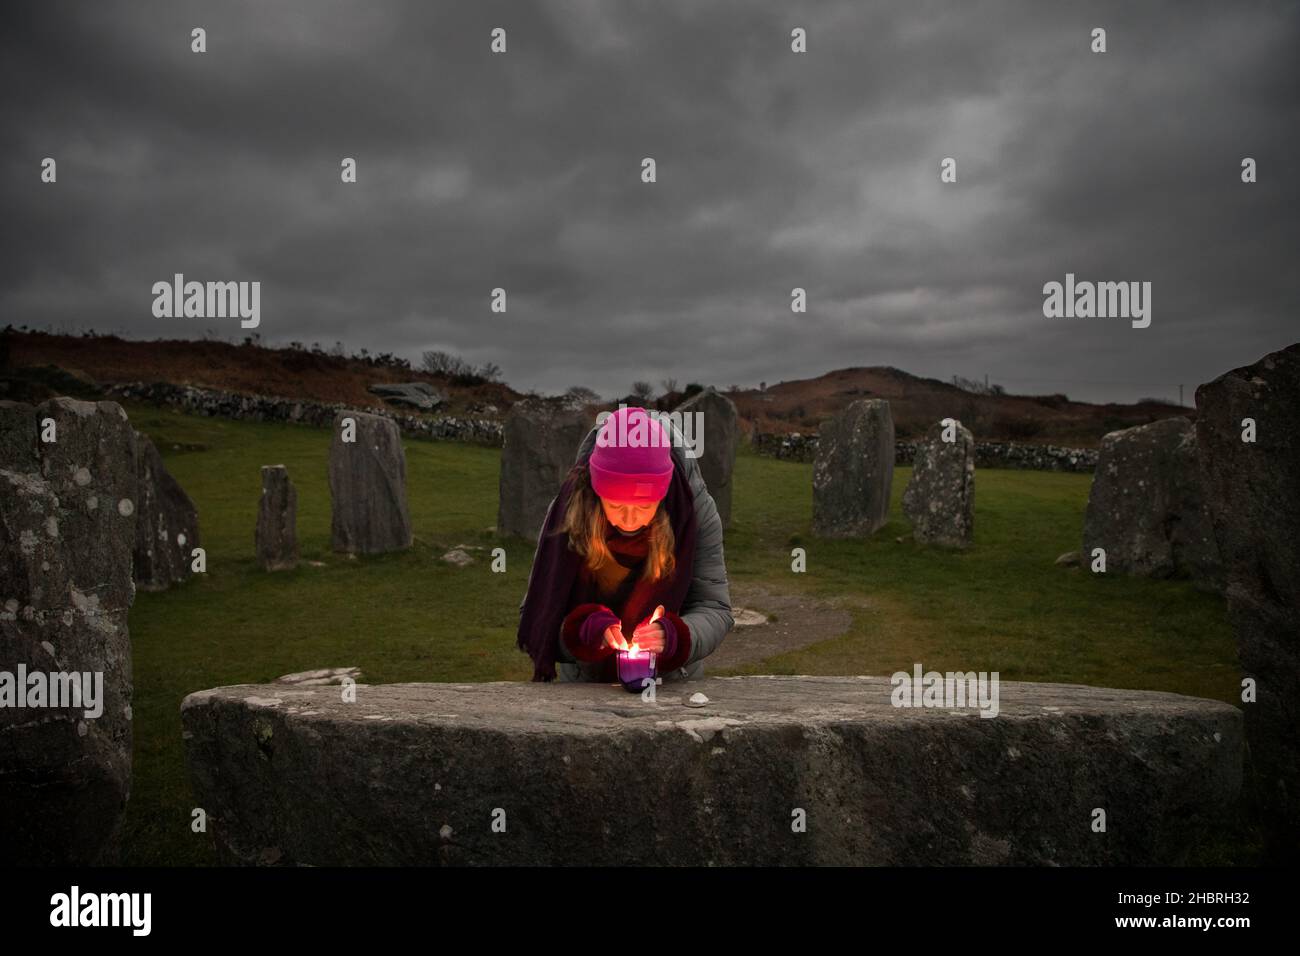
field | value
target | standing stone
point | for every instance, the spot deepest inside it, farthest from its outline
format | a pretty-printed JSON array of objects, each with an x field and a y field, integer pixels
[
  {"x": 67, "y": 528},
  {"x": 167, "y": 523},
  {"x": 368, "y": 486},
  {"x": 539, "y": 444},
  {"x": 1147, "y": 505},
  {"x": 718, "y": 455},
  {"x": 854, "y": 471},
  {"x": 1253, "y": 490},
  {"x": 277, "y": 521},
  {"x": 940, "y": 498}
]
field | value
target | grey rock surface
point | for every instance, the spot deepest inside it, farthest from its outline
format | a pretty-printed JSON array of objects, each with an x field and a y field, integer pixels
[
  {"x": 1254, "y": 496},
  {"x": 276, "y": 535},
  {"x": 418, "y": 395},
  {"x": 368, "y": 487},
  {"x": 586, "y": 775},
  {"x": 718, "y": 454},
  {"x": 539, "y": 444},
  {"x": 321, "y": 675},
  {"x": 458, "y": 557},
  {"x": 167, "y": 522},
  {"x": 853, "y": 472},
  {"x": 67, "y": 530},
  {"x": 1147, "y": 505},
  {"x": 940, "y": 497}
]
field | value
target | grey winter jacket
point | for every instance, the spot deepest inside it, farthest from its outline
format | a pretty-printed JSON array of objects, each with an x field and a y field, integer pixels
[{"x": 707, "y": 608}]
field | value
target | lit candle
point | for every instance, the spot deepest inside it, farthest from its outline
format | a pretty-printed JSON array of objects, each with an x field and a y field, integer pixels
[{"x": 634, "y": 667}]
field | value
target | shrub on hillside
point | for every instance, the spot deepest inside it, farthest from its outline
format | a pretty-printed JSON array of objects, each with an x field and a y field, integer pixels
[
  {"x": 1017, "y": 429},
  {"x": 457, "y": 371}
]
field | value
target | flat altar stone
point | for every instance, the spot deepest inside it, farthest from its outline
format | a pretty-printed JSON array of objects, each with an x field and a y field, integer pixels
[{"x": 587, "y": 774}]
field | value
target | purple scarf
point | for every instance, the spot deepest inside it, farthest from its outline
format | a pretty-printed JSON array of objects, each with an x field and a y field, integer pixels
[{"x": 555, "y": 568}]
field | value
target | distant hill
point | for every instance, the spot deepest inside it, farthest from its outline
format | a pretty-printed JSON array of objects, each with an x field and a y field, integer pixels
[
  {"x": 916, "y": 403},
  {"x": 36, "y": 364},
  {"x": 288, "y": 372}
]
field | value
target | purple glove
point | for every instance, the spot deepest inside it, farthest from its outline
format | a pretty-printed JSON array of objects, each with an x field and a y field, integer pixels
[
  {"x": 592, "y": 632},
  {"x": 670, "y": 638}
]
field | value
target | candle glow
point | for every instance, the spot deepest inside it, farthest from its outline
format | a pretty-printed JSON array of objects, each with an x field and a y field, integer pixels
[{"x": 635, "y": 665}]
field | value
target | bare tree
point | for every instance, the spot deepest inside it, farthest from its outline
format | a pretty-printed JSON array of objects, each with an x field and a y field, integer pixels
[
  {"x": 976, "y": 387},
  {"x": 444, "y": 363},
  {"x": 643, "y": 390},
  {"x": 669, "y": 385},
  {"x": 453, "y": 366}
]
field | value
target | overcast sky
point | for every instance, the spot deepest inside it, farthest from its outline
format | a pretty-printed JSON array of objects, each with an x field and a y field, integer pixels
[{"x": 775, "y": 170}]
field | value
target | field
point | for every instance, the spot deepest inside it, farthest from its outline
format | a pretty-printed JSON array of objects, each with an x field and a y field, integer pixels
[{"x": 1001, "y": 606}]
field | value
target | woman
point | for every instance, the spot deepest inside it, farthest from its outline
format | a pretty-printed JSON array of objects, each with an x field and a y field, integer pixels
[{"x": 632, "y": 528}]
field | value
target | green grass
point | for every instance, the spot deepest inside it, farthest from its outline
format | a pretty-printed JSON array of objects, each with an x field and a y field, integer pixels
[{"x": 1001, "y": 606}]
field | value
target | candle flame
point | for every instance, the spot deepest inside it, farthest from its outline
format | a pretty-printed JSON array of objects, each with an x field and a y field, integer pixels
[{"x": 632, "y": 648}]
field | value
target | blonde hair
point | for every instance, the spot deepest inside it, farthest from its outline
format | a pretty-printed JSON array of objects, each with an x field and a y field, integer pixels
[{"x": 586, "y": 525}]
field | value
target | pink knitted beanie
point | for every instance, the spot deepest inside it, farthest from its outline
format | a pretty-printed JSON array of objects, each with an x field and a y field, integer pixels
[{"x": 632, "y": 460}]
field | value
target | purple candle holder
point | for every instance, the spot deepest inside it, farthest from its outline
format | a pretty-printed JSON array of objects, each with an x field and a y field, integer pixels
[{"x": 633, "y": 669}]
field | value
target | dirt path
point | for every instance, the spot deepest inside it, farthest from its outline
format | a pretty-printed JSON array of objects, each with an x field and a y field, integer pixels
[{"x": 800, "y": 621}]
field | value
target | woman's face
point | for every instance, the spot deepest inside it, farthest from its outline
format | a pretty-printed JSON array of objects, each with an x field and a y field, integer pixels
[{"x": 629, "y": 515}]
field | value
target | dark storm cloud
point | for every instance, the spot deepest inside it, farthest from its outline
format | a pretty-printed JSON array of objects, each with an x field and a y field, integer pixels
[{"x": 775, "y": 171}]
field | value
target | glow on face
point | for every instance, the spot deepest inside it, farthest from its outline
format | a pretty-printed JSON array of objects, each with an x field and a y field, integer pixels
[{"x": 629, "y": 515}]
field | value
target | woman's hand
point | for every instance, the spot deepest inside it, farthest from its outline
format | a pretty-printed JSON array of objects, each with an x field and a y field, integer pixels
[
  {"x": 650, "y": 637},
  {"x": 614, "y": 637}
]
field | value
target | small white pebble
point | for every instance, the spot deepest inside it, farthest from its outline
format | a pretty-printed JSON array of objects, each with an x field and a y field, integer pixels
[
  {"x": 125, "y": 507},
  {"x": 696, "y": 700}
]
